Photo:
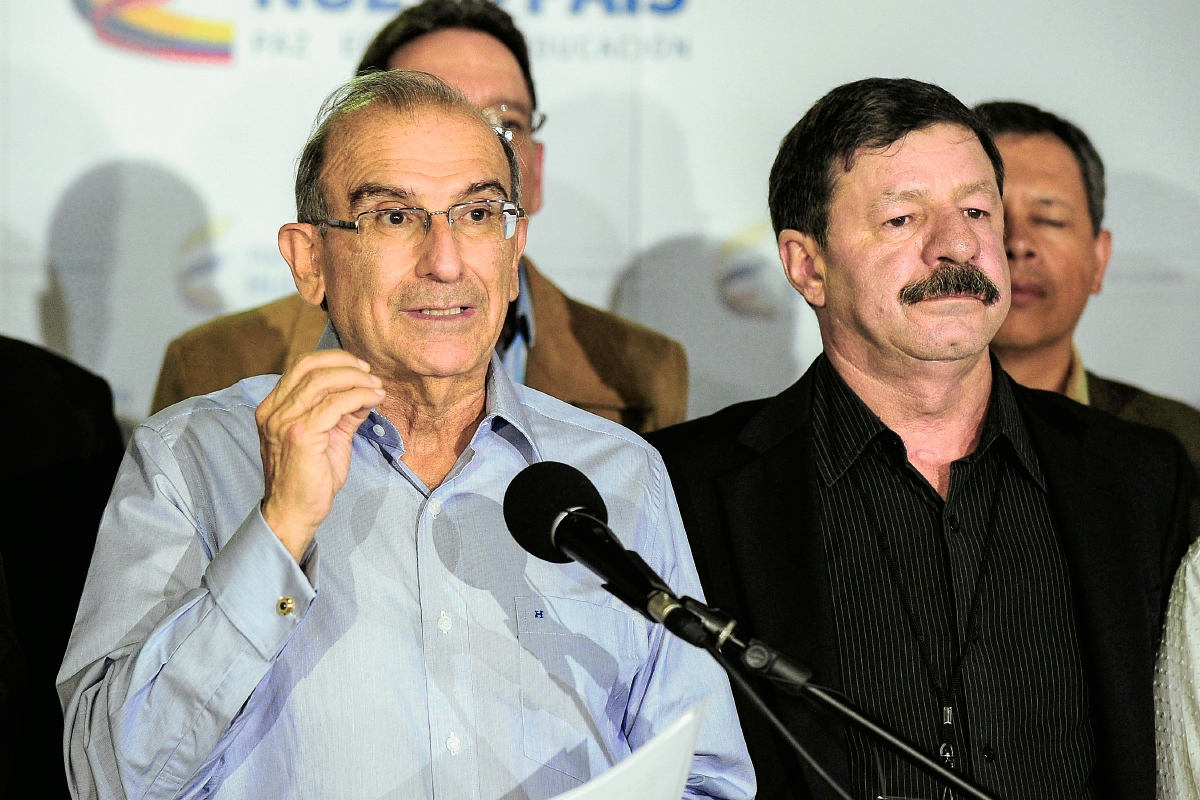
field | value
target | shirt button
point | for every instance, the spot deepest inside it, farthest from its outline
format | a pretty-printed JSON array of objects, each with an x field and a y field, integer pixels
[
  {"x": 453, "y": 745},
  {"x": 445, "y": 623},
  {"x": 989, "y": 754},
  {"x": 285, "y": 606},
  {"x": 434, "y": 506},
  {"x": 954, "y": 526},
  {"x": 378, "y": 429}
]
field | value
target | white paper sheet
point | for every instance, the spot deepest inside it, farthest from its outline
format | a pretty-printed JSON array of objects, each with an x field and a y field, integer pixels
[{"x": 658, "y": 770}]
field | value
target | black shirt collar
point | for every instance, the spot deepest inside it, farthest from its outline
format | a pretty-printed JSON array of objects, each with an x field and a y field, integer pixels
[{"x": 843, "y": 425}]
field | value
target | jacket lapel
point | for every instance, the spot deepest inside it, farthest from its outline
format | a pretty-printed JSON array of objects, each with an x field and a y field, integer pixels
[
  {"x": 558, "y": 364},
  {"x": 771, "y": 509},
  {"x": 1093, "y": 522}
]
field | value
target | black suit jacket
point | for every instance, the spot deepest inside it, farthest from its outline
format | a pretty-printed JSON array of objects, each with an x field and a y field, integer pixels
[
  {"x": 1121, "y": 496},
  {"x": 63, "y": 448}
]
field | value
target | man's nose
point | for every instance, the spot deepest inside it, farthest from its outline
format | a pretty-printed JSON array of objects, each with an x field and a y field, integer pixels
[
  {"x": 1018, "y": 243},
  {"x": 439, "y": 257},
  {"x": 952, "y": 239}
]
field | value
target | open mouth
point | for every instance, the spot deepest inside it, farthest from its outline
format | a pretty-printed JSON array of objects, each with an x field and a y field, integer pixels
[{"x": 442, "y": 312}]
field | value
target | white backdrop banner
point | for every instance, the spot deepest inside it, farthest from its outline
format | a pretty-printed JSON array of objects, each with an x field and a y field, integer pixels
[{"x": 147, "y": 150}]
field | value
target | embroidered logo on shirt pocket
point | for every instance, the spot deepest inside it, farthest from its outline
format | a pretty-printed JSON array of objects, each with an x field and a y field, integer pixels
[{"x": 577, "y": 663}]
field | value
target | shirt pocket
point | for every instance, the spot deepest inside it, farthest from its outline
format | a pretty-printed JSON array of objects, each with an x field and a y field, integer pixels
[{"x": 578, "y": 661}]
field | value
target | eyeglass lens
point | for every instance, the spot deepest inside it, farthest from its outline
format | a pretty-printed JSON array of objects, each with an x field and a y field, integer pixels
[
  {"x": 519, "y": 121},
  {"x": 478, "y": 221}
]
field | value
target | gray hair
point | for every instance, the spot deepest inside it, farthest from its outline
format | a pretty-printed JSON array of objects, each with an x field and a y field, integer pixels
[{"x": 399, "y": 90}]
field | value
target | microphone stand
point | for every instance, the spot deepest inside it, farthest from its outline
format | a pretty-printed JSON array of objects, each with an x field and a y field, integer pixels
[
  {"x": 760, "y": 659},
  {"x": 589, "y": 541}
]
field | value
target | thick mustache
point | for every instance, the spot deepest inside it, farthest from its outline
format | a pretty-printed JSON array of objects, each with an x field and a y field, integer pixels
[
  {"x": 416, "y": 297},
  {"x": 952, "y": 280}
]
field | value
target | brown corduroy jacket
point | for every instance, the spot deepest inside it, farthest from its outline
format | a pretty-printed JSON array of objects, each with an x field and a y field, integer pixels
[{"x": 589, "y": 358}]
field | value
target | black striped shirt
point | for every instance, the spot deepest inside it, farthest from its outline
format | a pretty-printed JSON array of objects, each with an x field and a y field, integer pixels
[{"x": 1021, "y": 713}]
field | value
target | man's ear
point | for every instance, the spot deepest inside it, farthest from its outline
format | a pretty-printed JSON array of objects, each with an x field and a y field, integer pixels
[
  {"x": 301, "y": 246},
  {"x": 804, "y": 264},
  {"x": 531, "y": 178},
  {"x": 518, "y": 250},
  {"x": 1103, "y": 254}
]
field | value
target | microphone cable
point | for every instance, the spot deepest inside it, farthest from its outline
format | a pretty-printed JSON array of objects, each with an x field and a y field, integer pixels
[{"x": 756, "y": 700}]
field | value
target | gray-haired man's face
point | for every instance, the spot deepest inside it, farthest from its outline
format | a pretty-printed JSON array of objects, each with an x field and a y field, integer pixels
[{"x": 431, "y": 307}]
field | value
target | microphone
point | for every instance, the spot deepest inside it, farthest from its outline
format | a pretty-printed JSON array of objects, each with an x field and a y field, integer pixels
[{"x": 555, "y": 513}]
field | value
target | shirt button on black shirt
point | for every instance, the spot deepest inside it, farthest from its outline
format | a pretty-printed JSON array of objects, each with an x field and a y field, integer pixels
[{"x": 989, "y": 754}]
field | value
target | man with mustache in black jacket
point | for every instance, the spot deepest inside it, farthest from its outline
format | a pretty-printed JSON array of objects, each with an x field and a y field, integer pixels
[{"x": 981, "y": 566}]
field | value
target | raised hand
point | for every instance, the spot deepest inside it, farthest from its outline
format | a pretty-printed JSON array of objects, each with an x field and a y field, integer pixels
[{"x": 306, "y": 429}]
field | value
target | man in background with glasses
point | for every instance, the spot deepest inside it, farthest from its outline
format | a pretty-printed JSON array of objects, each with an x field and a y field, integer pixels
[
  {"x": 438, "y": 659},
  {"x": 584, "y": 356}
]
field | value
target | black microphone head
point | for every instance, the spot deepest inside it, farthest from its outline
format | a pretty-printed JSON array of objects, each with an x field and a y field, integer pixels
[{"x": 536, "y": 497}]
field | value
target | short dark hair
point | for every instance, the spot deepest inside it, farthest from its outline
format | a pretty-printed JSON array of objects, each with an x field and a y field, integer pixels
[
  {"x": 436, "y": 15},
  {"x": 1008, "y": 116},
  {"x": 872, "y": 113}
]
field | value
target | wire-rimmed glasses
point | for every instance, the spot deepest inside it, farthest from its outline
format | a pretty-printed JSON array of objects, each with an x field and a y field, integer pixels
[
  {"x": 477, "y": 221},
  {"x": 518, "y": 123}
]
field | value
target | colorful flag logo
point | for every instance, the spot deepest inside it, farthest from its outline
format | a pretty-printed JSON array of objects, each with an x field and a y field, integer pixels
[{"x": 145, "y": 26}]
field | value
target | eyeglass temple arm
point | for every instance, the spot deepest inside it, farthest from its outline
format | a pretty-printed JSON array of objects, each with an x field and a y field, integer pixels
[
  {"x": 352, "y": 225},
  {"x": 512, "y": 212}
]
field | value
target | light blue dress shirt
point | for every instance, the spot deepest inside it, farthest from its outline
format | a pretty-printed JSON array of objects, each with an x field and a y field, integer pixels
[{"x": 423, "y": 654}]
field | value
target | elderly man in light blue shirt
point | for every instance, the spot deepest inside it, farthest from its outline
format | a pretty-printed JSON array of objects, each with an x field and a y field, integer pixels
[{"x": 303, "y": 586}]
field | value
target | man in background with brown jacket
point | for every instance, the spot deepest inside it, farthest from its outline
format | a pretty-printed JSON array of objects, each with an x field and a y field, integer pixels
[{"x": 579, "y": 354}]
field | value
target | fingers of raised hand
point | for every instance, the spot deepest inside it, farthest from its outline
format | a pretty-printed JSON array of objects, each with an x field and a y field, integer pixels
[
  {"x": 311, "y": 418},
  {"x": 334, "y": 407},
  {"x": 305, "y": 391},
  {"x": 302, "y": 371},
  {"x": 320, "y": 383}
]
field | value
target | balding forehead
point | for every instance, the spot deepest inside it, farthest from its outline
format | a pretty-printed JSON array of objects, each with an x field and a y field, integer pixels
[
  {"x": 431, "y": 112},
  {"x": 355, "y": 122}
]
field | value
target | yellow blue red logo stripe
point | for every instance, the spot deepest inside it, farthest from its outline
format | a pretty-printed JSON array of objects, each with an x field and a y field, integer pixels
[{"x": 148, "y": 26}]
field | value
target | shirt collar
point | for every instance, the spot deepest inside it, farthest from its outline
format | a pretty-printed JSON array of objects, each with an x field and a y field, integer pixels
[
  {"x": 1004, "y": 418},
  {"x": 329, "y": 339},
  {"x": 504, "y": 413},
  {"x": 1077, "y": 387},
  {"x": 843, "y": 425},
  {"x": 518, "y": 321},
  {"x": 525, "y": 303}
]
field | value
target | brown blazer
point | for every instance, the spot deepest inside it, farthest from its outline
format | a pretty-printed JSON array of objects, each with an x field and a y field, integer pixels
[{"x": 589, "y": 358}]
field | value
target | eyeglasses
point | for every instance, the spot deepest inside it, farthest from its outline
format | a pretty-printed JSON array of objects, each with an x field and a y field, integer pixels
[
  {"x": 519, "y": 124},
  {"x": 478, "y": 221}
]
